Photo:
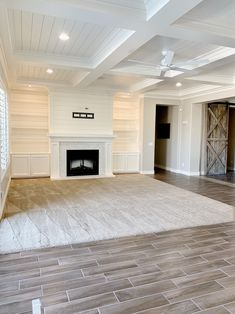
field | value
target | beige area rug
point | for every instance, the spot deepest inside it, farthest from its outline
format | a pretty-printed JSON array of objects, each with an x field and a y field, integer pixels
[{"x": 43, "y": 213}]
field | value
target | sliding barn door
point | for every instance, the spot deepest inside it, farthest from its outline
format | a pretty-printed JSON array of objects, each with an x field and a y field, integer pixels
[{"x": 217, "y": 138}]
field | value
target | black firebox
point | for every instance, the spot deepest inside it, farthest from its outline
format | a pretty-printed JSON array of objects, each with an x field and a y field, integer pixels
[{"x": 82, "y": 162}]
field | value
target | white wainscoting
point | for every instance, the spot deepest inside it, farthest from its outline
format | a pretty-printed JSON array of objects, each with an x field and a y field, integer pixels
[
  {"x": 30, "y": 165},
  {"x": 125, "y": 162}
]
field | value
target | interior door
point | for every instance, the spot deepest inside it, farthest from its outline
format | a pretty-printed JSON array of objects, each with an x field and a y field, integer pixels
[{"x": 217, "y": 138}]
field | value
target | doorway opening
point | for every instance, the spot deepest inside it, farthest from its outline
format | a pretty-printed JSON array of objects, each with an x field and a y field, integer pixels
[{"x": 163, "y": 130}]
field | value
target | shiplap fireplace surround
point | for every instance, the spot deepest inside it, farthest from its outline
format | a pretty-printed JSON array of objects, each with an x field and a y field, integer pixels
[{"x": 61, "y": 143}]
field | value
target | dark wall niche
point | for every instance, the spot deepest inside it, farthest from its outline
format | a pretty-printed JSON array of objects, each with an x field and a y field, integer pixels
[{"x": 163, "y": 127}]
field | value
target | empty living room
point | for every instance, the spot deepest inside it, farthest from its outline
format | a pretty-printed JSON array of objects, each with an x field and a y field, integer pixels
[{"x": 117, "y": 156}]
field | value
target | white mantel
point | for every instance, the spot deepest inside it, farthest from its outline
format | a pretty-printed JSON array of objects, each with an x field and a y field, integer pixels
[{"x": 60, "y": 143}]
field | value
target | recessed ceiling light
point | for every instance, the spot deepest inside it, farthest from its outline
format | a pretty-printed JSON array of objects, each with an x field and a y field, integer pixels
[
  {"x": 49, "y": 71},
  {"x": 178, "y": 84},
  {"x": 29, "y": 85},
  {"x": 64, "y": 36}
]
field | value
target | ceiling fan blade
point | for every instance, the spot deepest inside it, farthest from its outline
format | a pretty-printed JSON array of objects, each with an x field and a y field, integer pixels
[
  {"x": 142, "y": 62},
  {"x": 198, "y": 63},
  {"x": 176, "y": 68},
  {"x": 167, "y": 60}
]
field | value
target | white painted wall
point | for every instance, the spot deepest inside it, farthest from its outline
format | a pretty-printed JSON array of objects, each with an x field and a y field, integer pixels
[
  {"x": 63, "y": 104},
  {"x": 4, "y": 175},
  {"x": 196, "y": 138}
]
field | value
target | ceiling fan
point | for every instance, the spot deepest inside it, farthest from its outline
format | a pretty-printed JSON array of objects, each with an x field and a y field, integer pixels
[{"x": 166, "y": 63}]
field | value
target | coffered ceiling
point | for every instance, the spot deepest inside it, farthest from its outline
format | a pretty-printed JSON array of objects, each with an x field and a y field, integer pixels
[{"x": 118, "y": 45}]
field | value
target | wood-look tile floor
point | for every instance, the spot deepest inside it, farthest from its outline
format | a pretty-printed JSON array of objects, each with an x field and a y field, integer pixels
[
  {"x": 183, "y": 271},
  {"x": 199, "y": 185}
]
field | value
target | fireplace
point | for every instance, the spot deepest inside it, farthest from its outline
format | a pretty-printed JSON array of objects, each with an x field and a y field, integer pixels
[{"x": 82, "y": 162}]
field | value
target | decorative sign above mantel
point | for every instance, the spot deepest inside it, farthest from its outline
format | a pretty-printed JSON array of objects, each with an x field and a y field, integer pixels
[{"x": 83, "y": 115}]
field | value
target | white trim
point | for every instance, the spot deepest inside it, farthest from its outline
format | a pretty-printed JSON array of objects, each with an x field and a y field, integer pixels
[
  {"x": 124, "y": 171},
  {"x": 5, "y": 197},
  {"x": 82, "y": 177},
  {"x": 186, "y": 173},
  {"x": 147, "y": 172}
]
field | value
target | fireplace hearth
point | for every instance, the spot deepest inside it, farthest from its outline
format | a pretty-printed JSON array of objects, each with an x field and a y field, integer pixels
[{"x": 82, "y": 162}]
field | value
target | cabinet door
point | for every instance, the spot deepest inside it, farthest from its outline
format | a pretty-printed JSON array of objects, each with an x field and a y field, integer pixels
[
  {"x": 23, "y": 166},
  {"x": 125, "y": 162},
  {"x": 20, "y": 166},
  {"x": 39, "y": 165},
  {"x": 132, "y": 162}
]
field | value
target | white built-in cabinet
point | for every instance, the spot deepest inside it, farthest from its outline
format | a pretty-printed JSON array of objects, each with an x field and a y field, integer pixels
[
  {"x": 126, "y": 125},
  {"x": 29, "y": 134},
  {"x": 30, "y": 165}
]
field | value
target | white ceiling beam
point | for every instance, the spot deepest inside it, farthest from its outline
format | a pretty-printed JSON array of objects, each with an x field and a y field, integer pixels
[
  {"x": 166, "y": 15},
  {"x": 78, "y": 77},
  {"x": 144, "y": 84},
  {"x": 52, "y": 60},
  {"x": 82, "y": 12},
  {"x": 41, "y": 82},
  {"x": 214, "y": 79},
  {"x": 205, "y": 36}
]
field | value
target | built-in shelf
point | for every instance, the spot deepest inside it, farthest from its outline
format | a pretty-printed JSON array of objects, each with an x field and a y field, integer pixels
[
  {"x": 126, "y": 122},
  {"x": 29, "y": 122}
]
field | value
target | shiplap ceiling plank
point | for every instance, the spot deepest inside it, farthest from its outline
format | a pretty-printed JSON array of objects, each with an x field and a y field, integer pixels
[
  {"x": 86, "y": 30},
  {"x": 45, "y": 32},
  {"x": 54, "y": 35},
  {"x": 26, "y": 29},
  {"x": 16, "y": 23},
  {"x": 34, "y": 72},
  {"x": 69, "y": 28},
  {"x": 37, "y": 24}
]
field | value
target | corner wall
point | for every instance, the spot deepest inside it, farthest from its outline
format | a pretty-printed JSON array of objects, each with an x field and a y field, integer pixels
[
  {"x": 4, "y": 175},
  {"x": 148, "y": 111}
]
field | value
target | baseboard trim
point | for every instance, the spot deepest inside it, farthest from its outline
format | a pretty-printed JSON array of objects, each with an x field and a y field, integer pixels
[
  {"x": 147, "y": 172},
  {"x": 82, "y": 177},
  {"x": 186, "y": 173},
  {"x": 5, "y": 198},
  {"x": 123, "y": 172}
]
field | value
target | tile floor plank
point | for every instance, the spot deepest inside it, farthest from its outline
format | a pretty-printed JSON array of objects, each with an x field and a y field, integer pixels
[
  {"x": 144, "y": 290},
  {"x": 216, "y": 298},
  {"x": 135, "y": 305},
  {"x": 100, "y": 288},
  {"x": 82, "y": 304},
  {"x": 184, "y": 307},
  {"x": 189, "y": 292}
]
